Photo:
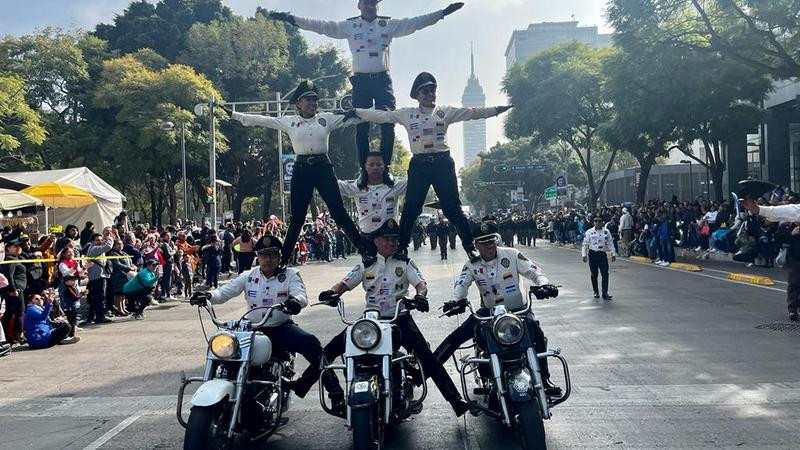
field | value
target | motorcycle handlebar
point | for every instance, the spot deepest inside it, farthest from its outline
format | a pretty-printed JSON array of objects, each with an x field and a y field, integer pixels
[
  {"x": 340, "y": 309},
  {"x": 221, "y": 324}
]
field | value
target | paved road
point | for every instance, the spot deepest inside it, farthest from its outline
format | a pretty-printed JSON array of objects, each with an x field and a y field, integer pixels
[{"x": 675, "y": 361}]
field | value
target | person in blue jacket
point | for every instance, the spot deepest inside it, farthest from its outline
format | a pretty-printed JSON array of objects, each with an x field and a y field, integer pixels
[
  {"x": 138, "y": 288},
  {"x": 39, "y": 330}
]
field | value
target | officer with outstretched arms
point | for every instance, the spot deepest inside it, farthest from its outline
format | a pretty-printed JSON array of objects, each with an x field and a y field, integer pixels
[
  {"x": 497, "y": 275},
  {"x": 369, "y": 36},
  {"x": 309, "y": 132},
  {"x": 431, "y": 164},
  {"x": 267, "y": 285},
  {"x": 596, "y": 243},
  {"x": 385, "y": 282}
]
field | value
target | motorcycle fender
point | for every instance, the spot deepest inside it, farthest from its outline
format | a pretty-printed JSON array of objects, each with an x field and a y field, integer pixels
[
  {"x": 212, "y": 392},
  {"x": 364, "y": 393}
]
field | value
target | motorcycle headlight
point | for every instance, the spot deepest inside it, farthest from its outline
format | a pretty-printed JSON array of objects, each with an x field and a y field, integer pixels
[
  {"x": 365, "y": 334},
  {"x": 508, "y": 329},
  {"x": 224, "y": 345}
]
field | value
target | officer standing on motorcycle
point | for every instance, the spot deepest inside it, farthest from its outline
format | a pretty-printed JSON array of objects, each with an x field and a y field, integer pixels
[
  {"x": 266, "y": 285},
  {"x": 497, "y": 276},
  {"x": 385, "y": 282}
]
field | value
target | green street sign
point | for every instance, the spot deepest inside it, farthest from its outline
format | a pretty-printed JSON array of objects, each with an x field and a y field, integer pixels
[
  {"x": 551, "y": 192},
  {"x": 501, "y": 168}
]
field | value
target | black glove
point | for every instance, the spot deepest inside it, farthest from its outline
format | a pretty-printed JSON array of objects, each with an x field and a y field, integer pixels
[
  {"x": 200, "y": 298},
  {"x": 293, "y": 306},
  {"x": 502, "y": 109},
  {"x": 453, "y": 7},
  {"x": 349, "y": 114},
  {"x": 420, "y": 303},
  {"x": 539, "y": 292},
  {"x": 329, "y": 298},
  {"x": 550, "y": 290},
  {"x": 454, "y": 307},
  {"x": 283, "y": 17}
]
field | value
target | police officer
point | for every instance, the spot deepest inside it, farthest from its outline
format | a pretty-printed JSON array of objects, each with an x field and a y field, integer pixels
[
  {"x": 377, "y": 202},
  {"x": 442, "y": 233},
  {"x": 431, "y": 164},
  {"x": 417, "y": 235},
  {"x": 267, "y": 285},
  {"x": 497, "y": 276},
  {"x": 431, "y": 230},
  {"x": 386, "y": 281},
  {"x": 596, "y": 243},
  {"x": 369, "y": 36},
  {"x": 309, "y": 134}
]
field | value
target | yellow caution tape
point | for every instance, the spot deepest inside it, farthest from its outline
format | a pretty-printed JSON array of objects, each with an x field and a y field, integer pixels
[{"x": 753, "y": 279}]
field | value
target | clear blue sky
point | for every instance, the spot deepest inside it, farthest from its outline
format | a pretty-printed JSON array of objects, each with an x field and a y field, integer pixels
[{"x": 442, "y": 49}]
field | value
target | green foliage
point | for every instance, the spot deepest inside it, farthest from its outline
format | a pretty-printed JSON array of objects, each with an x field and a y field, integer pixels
[{"x": 18, "y": 121}]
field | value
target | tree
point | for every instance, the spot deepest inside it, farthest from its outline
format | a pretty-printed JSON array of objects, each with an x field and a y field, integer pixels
[
  {"x": 18, "y": 121},
  {"x": 559, "y": 96},
  {"x": 141, "y": 99},
  {"x": 762, "y": 34}
]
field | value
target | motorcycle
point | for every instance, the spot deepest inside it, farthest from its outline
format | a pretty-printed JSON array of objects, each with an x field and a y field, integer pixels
[
  {"x": 244, "y": 391},
  {"x": 507, "y": 373},
  {"x": 380, "y": 378}
]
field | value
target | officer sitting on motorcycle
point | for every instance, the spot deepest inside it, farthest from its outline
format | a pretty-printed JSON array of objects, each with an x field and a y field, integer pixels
[
  {"x": 497, "y": 276},
  {"x": 385, "y": 282},
  {"x": 266, "y": 285}
]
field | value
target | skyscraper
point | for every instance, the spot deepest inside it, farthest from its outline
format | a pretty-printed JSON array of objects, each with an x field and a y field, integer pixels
[
  {"x": 541, "y": 36},
  {"x": 474, "y": 130}
]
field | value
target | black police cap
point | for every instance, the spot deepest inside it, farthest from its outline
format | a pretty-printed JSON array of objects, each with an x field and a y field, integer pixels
[
  {"x": 267, "y": 244},
  {"x": 305, "y": 88},
  {"x": 388, "y": 229},
  {"x": 422, "y": 80},
  {"x": 485, "y": 231},
  {"x": 754, "y": 188}
]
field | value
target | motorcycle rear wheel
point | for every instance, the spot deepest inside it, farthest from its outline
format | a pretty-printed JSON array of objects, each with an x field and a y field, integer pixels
[
  {"x": 207, "y": 429},
  {"x": 364, "y": 437},
  {"x": 530, "y": 426}
]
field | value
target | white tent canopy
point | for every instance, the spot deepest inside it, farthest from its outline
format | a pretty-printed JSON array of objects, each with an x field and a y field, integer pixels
[{"x": 102, "y": 213}]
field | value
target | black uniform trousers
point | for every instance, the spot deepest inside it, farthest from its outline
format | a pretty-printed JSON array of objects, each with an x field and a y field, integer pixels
[
  {"x": 599, "y": 261},
  {"x": 373, "y": 89},
  {"x": 468, "y": 330},
  {"x": 414, "y": 342},
  {"x": 793, "y": 290},
  {"x": 315, "y": 172},
  {"x": 443, "y": 246},
  {"x": 437, "y": 170},
  {"x": 291, "y": 338},
  {"x": 97, "y": 299}
]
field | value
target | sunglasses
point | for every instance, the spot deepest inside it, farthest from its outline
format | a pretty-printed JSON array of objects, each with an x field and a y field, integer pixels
[{"x": 426, "y": 90}]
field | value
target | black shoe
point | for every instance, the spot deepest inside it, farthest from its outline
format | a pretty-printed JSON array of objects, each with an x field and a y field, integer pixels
[
  {"x": 338, "y": 405},
  {"x": 103, "y": 320},
  {"x": 388, "y": 179},
  {"x": 550, "y": 389},
  {"x": 793, "y": 317},
  {"x": 362, "y": 180},
  {"x": 596, "y": 295},
  {"x": 607, "y": 297},
  {"x": 460, "y": 407}
]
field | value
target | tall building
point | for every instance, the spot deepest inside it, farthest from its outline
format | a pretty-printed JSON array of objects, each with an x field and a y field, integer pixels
[
  {"x": 474, "y": 130},
  {"x": 541, "y": 36}
]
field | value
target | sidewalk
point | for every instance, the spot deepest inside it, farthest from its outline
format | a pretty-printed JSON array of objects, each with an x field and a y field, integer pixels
[{"x": 723, "y": 262}]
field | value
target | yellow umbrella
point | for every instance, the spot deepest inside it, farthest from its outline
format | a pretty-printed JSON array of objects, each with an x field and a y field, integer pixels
[{"x": 60, "y": 195}]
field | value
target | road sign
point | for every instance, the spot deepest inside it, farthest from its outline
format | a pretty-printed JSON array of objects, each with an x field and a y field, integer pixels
[
  {"x": 527, "y": 167},
  {"x": 501, "y": 168},
  {"x": 495, "y": 183},
  {"x": 551, "y": 192}
]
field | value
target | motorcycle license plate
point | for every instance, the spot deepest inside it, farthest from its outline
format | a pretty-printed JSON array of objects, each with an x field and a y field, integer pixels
[{"x": 361, "y": 386}]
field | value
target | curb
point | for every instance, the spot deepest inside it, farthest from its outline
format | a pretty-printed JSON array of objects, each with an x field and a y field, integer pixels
[
  {"x": 753, "y": 279},
  {"x": 686, "y": 267},
  {"x": 641, "y": 259}
]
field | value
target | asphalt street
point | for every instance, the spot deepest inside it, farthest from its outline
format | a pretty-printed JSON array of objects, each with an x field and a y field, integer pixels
[{"x": 676, "y": 360}]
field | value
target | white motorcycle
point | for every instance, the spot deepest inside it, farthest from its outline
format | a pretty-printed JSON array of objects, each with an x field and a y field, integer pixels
[
  {"x": 243, "y": 392},
  {"x": 380, "y": 386}
]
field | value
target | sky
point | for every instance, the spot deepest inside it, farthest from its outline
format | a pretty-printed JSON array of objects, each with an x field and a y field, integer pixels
[{"x": 442, "y": 49}]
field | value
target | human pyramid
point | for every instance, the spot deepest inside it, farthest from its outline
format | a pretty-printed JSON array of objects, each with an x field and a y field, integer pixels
[{"x": 386, "y": 279}]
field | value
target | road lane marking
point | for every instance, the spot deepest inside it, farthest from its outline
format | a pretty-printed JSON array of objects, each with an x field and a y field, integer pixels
[{"x": 111, "y": 433}]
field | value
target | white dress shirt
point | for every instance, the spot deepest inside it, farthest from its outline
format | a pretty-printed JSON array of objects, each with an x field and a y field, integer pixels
[
  {"x": 427, "y": 127},
  {"x": 262, "y": 291},
  {"x": 597, "y": 241},
  {"x": 369, "y": 41},
  {"x": 385, "y": 282},
  {"x": 780, "y": 213},
  {"x": 377, "y": 203},
  {"x": 308, "y": 136}
]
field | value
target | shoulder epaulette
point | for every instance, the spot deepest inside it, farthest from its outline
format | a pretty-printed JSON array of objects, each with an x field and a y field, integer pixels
[
  {"x": 353, "y": 18},
  {"x": 384, "y": 17}
]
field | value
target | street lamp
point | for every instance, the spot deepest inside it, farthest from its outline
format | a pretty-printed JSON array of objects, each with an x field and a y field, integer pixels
[
  {"x": 169, "y": 126},
  {"x": 691, "y": 178}
]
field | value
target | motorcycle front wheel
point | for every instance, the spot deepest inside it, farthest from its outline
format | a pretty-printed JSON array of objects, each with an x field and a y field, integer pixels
[
  {"x": 530, "y": 426},
  {"x": 364, "y": 436},
  {"x": 207, "y": 429}
]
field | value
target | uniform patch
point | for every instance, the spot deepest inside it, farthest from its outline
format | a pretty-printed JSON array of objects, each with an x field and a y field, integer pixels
[
  {"x": 322, "y": 121},
  {"x": 282, "y": 277},
  {"x": 369, "y": 276},
  {"x": 283, "y": 294},
  {"x": 440, "y": 113},
  {"x": 505, "y": 262},
  {"x": 484, "y": 227},
  {"x": 251, "y": 293},
  {"x": 398, "y": 271},
  {"x": 508, "y": 275},
  {"x": 521, "y": 256},
  {"x": 382, "y": 23},
  {"x": 511, "y": 289}
]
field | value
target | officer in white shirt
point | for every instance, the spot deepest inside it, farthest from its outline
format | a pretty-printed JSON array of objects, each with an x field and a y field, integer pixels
[
  {"x": 309, "y": 133},
  {"x": 267, "y": 285},
  {"x": 596, "y": 242},
  {"x": 369, "y": 36},
  {"x": 497, "y": 275},
  {"x": 431, "y": 164},
  {"x": 376, "y": 203},
  {"x": 385, "y": 282}
]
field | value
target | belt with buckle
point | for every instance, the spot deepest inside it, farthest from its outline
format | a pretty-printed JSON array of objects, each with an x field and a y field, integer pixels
[
  {"x": 370, "y": 74},
  {"x": 312, "y": 159},
  {"x": 431, "y": 157}
]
